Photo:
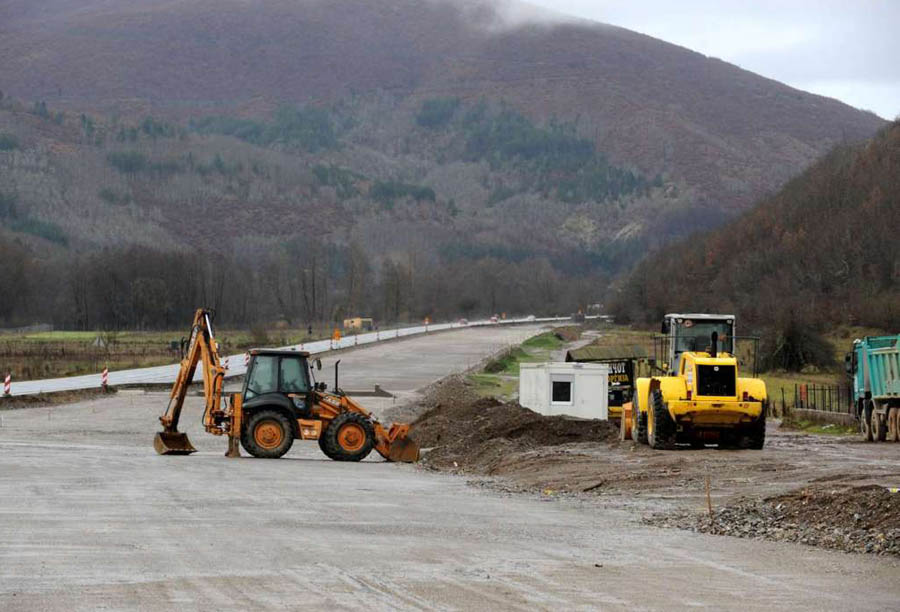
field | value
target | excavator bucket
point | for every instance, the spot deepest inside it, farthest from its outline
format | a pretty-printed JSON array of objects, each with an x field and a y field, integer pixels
[
  {"x": 404, "y": 450},
  {"x": 173, "y": 443}
]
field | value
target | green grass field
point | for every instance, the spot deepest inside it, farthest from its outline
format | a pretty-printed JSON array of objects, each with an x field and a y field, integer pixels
[{"x": 500, "y": 377}]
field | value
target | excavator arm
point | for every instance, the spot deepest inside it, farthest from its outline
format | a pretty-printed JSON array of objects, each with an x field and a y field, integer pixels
[{"x": 202, "y": 350}]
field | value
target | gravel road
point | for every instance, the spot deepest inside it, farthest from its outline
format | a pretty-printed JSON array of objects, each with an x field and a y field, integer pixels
[{"x": 91, "y": 518}]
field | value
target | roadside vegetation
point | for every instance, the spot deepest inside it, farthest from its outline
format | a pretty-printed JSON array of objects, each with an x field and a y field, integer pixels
[{"x": 500, "y": 375}]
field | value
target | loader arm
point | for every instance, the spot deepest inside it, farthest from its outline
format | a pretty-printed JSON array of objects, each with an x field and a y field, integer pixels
[{"x": 201, "y": 350}]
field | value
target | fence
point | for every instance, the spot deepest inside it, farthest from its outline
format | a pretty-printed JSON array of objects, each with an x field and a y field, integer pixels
[{"x": 824, "y": 398}]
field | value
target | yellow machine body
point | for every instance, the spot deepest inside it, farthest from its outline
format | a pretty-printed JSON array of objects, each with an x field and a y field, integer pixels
[{"x": 705, "y": 401}]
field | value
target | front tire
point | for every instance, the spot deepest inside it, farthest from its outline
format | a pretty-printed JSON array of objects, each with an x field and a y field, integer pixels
[
  {"x": 268, "y": 435},
  {"x": 349, "y": 437},
  {"x": 661, "y": 430}
]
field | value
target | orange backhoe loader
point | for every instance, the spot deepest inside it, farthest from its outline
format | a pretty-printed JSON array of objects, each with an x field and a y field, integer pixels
[{"x": 280, "y": 402}]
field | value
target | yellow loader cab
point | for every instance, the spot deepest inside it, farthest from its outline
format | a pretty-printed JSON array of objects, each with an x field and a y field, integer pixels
[{"x": 703, "y": 402}]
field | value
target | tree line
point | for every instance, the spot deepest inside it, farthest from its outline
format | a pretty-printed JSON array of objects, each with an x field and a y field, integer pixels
[{"x": 297, "y": 282}]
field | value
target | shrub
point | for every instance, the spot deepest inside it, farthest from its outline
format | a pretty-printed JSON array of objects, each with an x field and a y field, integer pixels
[
  {"x": 42, "y": 229},
  {"x": 127, "y": 162},
  {"x": 794, "y": 346},
  {"x": 8, "y": 142},
  {"x": 7, "y": 205},
  {"x": 437, "y": 112},
  {"x": 388, "y": 191}
]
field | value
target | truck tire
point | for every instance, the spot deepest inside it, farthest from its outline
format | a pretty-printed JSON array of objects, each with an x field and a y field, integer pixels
[
  {"x": 893, "y": 426},
  {"x": 865, "y": 422},
  {"x": 268, "y": 434},
  {"x": 661, "y": 435},
  {"x": 349, "y": 437},
  {"x": 879, "y": 429}
]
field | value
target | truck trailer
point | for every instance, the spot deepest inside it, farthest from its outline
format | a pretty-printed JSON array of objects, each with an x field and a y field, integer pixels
[{"x": 874, "y": 370}]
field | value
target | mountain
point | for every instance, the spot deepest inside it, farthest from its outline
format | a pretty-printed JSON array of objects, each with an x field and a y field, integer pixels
[
  {"x": 822, "y": 251},
  {"x": 439, "y": 135}
]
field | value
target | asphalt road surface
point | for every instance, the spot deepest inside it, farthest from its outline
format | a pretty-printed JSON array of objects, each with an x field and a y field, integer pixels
[{"x": 91, "y": 518}]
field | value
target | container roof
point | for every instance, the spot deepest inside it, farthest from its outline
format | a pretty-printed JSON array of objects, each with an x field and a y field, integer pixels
[{"x": 606, "y": 353}]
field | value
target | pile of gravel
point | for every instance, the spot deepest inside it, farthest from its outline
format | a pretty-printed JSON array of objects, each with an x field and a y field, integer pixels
[{"x": 862, "y": 519}]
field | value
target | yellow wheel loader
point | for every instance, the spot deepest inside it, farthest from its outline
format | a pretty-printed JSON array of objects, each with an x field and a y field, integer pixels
[
  {"x": 702, "y": 400},
  {"x": 280, "y": 402}
]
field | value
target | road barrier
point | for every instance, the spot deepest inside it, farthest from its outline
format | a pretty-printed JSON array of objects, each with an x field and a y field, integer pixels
[
  {"x": 104, "y": 378},
  {"x": 7, "y": 384},
  {"x": 166, "y": 374}
]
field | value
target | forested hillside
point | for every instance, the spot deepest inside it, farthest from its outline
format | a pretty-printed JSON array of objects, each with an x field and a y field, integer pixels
[
  {"x": 823, "y": 251},
  {"x": 404, "y": 158}
]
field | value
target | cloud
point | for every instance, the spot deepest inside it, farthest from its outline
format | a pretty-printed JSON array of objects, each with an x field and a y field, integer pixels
[{"x": 828, "y": 44}]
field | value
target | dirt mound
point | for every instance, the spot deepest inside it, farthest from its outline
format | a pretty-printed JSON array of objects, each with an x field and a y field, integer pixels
[
  {"x": 854, "y": 519},
  {"x": 473, "y": 434}
]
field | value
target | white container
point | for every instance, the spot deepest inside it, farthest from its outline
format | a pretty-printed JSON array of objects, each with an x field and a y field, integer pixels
[{"x": 572, "y": 389}]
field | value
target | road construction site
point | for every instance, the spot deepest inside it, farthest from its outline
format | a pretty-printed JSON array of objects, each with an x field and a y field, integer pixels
[{"x": 518, "y": 516}]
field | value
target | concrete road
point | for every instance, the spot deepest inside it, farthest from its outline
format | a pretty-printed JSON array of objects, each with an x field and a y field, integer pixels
[
  {"x": 91, "y": 518},
  {"x": 235, "y": 363}
]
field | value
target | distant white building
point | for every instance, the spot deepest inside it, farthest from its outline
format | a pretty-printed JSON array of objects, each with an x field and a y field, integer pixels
[{"x": 571, "y": 389}]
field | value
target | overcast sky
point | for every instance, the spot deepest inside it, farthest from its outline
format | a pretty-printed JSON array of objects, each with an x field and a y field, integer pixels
[{"x": 844, "y": 49}]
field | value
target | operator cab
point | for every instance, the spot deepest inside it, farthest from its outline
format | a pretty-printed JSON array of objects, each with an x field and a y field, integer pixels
[
  {"x": 281, "y": 377},
  {"x": 693, "y": 332}
]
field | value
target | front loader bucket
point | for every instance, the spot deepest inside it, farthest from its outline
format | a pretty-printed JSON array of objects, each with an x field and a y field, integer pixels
[
  {"x": 173, "y": 443},
  {"x": 404, "y": 450}
]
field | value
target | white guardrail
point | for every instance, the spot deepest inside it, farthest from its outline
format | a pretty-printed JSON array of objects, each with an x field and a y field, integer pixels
[{"x": 236, "y": 367}]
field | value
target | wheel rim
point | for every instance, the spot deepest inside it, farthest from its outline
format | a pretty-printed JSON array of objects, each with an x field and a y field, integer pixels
[
  {"x": 351, "y": 437},
  {"x": 268, "y": 435}
]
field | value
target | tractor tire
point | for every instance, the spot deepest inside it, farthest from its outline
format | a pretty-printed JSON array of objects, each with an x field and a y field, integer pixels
[
  {"x": 661, "y": 435},
  {"x": 755, "y": 438},
  {"x": 893, "y": 424},
  {"x": 349, "y": 437},
  {"x": 879, "y": 427},
  {"x": 639, "y": 427},
  {"x": 865, "y": 423},
  {"x": 268, "y": 434}
]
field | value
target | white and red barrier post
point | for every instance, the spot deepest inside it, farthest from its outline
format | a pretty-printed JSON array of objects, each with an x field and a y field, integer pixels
[
  {"x": 7, "y": 384},
  {"x": 226, "y": 364},
  {"x": 104, "y": 379},
  {"x": 246, "y": 360}
]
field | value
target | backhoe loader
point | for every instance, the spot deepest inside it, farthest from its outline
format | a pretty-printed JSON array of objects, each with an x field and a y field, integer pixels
[
  {"x": 280, "y": 402},
  {"x": 702, "y": 399}
]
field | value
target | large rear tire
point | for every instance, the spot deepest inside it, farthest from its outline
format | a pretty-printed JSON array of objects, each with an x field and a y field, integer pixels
[
  {"x": 893, "y": 424},
  {"x": 755, "y": 438},
  {"x": 349, "y": 437},
  {"x": 661, "y": 428},
  {"x": 879, "y": 427},
  {"x": 865, "y": 423},
  {"x": 268, "y": 434},
  {"x": 639, "y": 425}
]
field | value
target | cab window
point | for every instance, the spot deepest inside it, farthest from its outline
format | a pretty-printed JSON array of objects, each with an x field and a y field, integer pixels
[
  {"x": 264, "y": 377},
  {"x": 293, "y": 376}
]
